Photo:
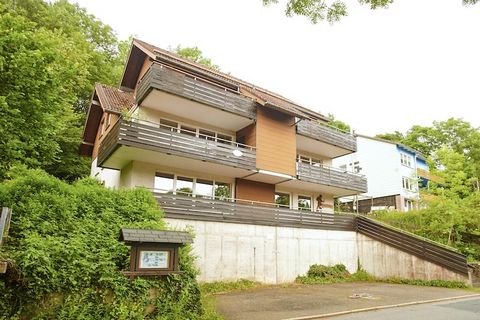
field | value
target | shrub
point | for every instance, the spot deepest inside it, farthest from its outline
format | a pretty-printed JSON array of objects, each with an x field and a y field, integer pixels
[
  {"x": 67, "y": 259},
  {"x": 321, "y": 271}
]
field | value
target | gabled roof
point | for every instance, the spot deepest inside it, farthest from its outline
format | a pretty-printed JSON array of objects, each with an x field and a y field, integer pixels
[
  {"x": 262, "y": 96},
  {"x": 113, "y": 99},
  {"x": 154, "y": 236}
]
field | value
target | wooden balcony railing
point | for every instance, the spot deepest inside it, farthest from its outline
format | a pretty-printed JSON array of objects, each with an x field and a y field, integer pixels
[
  {"x": 182, "y": 206},
  {"x": 184, "y": 85},
  {"x": 331, "y": 177},
  {"x": 147, "y": 135},
  {"x": 327, "y": 134}
]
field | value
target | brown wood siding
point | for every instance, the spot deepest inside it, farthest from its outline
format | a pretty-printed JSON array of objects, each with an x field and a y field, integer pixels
[
  {"x": 99, "y": 138},
  {"x": 254, "y": 191},
  {"x": 276, "y": 143},
  {"x": 248, "y": 133}
]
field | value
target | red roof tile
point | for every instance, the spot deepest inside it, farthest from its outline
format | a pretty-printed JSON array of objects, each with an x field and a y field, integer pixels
[{"x": 113, "y": 99}]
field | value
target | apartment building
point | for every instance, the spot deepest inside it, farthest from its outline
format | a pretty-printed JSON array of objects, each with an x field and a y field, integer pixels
[
  {"x": 395, "y": 174},
  {"x": 180, "y": 128}
]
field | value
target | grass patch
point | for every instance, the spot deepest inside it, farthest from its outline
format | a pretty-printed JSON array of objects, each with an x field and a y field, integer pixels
[
  {"x": 426, "y": 283},
  {"x": 224, "y": 286},
  {"x": 209, "y": 289}
]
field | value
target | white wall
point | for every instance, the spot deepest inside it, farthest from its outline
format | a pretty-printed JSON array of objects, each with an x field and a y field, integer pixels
[
  {"x": 110, "y": 177},
  {"x": 231, "y": 251},
  {"x": 380, "y": 163}
]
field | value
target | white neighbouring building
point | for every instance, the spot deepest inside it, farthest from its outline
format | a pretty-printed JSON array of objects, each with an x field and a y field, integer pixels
[{"x": 394, "y": 172}]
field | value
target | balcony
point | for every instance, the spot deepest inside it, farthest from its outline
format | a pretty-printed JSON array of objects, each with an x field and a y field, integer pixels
[
  {"x": 330, "y": 141},
  {"x": 331, "y": 177},
  {"x": 183, "y": 206},
  {"x": 127, "y": 140},
  {"x": 176, "y": 92}
]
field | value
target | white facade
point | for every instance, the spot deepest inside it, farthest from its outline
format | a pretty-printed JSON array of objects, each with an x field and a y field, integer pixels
[{"x": 390, "y": 170}]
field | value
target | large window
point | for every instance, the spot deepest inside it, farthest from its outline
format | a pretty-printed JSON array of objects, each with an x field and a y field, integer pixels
[
  {"x": 163, "y": 182},
  {"x": 305, "y": 203},
  {"x": 282, "y": 199},
  {"x": 406, "y": 159},
  {"x": 409, "y": 184},
  {"x": 171, "y": 183},
  {"x": 309, "y": 160},
  {"x": 195, "y": 131},
  {"x": 184, "y": 186}
]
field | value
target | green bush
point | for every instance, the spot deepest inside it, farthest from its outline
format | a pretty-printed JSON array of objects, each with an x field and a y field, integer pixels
[{"x": 66, "y": 259}]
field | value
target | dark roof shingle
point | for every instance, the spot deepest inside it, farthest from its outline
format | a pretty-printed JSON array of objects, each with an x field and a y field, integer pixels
[{"x": 155, "y": 236}]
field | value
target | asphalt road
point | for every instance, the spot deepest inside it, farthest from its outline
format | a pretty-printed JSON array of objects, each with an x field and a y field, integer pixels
[{"x": 468, "y": 309}]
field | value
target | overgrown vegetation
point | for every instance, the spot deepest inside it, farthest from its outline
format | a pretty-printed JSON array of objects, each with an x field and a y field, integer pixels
[
  {"x": 321, "y": 274},
  {"x": 451, "y": 221},
  {"x": 66, "y": 259}
]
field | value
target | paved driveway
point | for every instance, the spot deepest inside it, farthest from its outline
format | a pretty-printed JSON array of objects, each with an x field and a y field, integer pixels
[
  {"x": 467, "y": 309},
  {"x": 307, "y": 300}
]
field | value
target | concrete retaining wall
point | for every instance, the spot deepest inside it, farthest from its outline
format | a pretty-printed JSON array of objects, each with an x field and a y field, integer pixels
[{"x": 230, "y": 251}]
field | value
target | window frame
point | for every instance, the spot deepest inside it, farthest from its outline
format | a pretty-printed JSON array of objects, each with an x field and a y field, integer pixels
[{"x": 194, "y": 185}]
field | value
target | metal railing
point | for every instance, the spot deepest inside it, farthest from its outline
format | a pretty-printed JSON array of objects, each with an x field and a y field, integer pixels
[
  {"x": 161, "y": 138},
  {"x": 331, "y": 176},
  {"x": 176, "y": 82},
  {"x": 328, "y": 134},
  {"x": 186, "y": 206}
]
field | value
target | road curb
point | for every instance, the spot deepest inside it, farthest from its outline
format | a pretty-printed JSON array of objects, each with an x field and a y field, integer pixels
[{"x": 340, "y": 313}]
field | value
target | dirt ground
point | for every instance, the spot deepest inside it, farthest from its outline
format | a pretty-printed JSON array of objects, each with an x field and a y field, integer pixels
[{"x": 306, "y": 300}]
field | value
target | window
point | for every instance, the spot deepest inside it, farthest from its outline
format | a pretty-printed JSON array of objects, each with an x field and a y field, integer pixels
[
  {"x": 356, "y": 167},
  {"x": 206, "y": 134},
  {"x": 408, "y": 184},
  {"x": 108, "y": 119},
  {"x": 282, "y": 199},
  {"x": 188, "y": 130},
  {"x": 343, "y": 167},
  {"x": 163, "y": 183},
  {"x": 309, "y": 160},
  {"x": 405, "y": 159},
  {"x": 305, "y": 203},
  {"x": 170, "y": 125},
  {"x": 222, "y": 138},
  {"x": 184, "y": 186},
  {"x": 408, "y": 205},
  {"x": 204, "y": 188},
  {"x": 222, "y": 191}
]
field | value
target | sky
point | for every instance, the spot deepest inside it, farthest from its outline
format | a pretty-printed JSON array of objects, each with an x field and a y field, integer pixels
[{"x": 379, "y": 71}]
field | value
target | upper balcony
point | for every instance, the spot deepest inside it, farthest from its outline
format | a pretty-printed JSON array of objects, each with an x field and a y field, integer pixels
[
  {"x": 320, "y": 178},
  {"x": 322, "y": 139},
  {"x": 143, "y": 141},
  {"x": 176, "y": 92}
]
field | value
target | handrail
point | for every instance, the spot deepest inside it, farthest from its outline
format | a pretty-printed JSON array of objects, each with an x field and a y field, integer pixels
[
  {"x": 173, "y": 129},
  {"x": 226, "y": 199},
  {"x": 332, "y": 168}
]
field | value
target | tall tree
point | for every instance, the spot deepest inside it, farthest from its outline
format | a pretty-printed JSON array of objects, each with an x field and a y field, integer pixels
[
  {"x": 51, "y": 54},
  {"x": 195, "y": 54}
]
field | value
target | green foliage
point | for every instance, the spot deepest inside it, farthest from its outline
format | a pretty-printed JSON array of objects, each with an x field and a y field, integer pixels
[
  {"x": 67, "y": 259},
  {"x": 332, "y": 11},
  {"x": 451, "y": 221},
  {"x": 195, "y": 54},
  {"x": 51, "y": 54},
  {"x": 337, "y": 123},
  {"x": 453, "y": 146},
  {"x": 426, "y": 283},
  {"x": 321, "y": 274},
  {"x": 223, "y": 286}
]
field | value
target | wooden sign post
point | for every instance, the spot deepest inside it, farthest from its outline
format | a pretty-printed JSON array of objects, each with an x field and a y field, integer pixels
[{"x": 154, "y": 253}]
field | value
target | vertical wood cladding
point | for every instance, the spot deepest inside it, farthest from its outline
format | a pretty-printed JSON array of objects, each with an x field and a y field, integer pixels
[
  {"x": 247, "y": 135},
  {"x": 103, "y": 130},
  {"x": 275, "y": 141},
  {"x": 254, "y": 191}
]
